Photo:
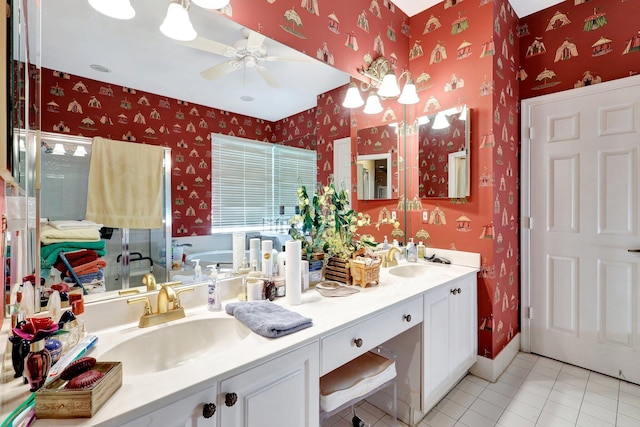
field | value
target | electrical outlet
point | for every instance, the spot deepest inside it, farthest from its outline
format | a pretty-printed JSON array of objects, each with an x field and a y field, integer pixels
[
  {"x": 394, "y": 215},
  {"x": 425, "y": 216}
]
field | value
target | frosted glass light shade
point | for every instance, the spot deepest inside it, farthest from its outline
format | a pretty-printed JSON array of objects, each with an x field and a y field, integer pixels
[
  {"x": 440, "y": 122},
  {"x": 352, "y": 99},
  {"x": 80, "y": 151},
  {"x": 389, "y": 87},
  {"x": 118, "y": 9},
  {"x": 373, "y": 104},
  {"x": 177, "y": 25},
  {"x": 211, "y": 4},
  {"x": 58, "y": 149},
  {"x": 409, "y": 94},
  {"x": 423, "y": 120},
  {"x": 463, "y": 113}
]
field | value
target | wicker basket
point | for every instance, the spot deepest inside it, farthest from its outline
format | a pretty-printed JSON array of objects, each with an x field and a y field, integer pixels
[{"x": 337, "y": 269}]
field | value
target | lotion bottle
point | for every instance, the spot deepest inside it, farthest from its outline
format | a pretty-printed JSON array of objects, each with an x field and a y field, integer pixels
[
  {"x": 213, "y": 291},
  {"x": 412, "y": 252},
  {"x": 421, "y": 249}
]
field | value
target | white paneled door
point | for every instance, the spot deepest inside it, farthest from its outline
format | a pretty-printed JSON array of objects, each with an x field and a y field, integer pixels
[{"x": 584, "y": 242}]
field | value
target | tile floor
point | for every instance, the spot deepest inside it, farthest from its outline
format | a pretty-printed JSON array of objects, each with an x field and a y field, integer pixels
[{"x": 533, "y": 391}]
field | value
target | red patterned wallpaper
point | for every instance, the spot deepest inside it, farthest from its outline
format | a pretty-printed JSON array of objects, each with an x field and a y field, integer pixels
[
  {"x": 79, "y": 106},
  {"x": 577, "y": 43}
]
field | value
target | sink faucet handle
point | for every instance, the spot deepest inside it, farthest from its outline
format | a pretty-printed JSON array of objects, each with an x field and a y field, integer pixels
[
  {"x": 145, "y": 300},
  {"x": 178, "y": 292}
]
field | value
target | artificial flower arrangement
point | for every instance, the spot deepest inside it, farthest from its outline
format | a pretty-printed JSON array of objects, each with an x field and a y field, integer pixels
[{"x": 326, "y": 224}]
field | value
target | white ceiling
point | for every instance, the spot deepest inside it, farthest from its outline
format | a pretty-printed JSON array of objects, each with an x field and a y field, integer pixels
[
  {"x": 521, "y": 7},
  {"x": 74, "y": 36}
]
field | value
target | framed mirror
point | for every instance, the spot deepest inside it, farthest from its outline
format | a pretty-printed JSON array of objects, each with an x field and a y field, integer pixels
[
  {"x": 377, "y": 162},
  {"x": 443, "y": 154}
]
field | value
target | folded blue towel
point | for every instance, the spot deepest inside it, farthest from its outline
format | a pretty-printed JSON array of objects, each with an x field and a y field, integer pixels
[{"x": 268, "y": 319}]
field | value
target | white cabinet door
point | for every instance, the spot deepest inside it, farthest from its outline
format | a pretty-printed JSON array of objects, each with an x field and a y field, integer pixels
[
  {"x": 283, "y": 392},
  {"x": 187, "y": 412},
  {"x": 463, "y": 322},
  {"x": 436, "y": 339},
  {"x": 450, "y": 336}
]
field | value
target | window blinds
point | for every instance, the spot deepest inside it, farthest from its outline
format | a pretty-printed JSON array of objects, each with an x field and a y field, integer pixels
[{"x": 251, "y": 180}]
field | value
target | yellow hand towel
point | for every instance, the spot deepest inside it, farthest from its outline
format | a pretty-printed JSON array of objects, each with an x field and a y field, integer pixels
[{"x": 125, "y": 184}]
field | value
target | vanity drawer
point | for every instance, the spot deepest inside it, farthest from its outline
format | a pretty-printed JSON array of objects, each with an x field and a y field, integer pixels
[{"x": 349, "y": 343}]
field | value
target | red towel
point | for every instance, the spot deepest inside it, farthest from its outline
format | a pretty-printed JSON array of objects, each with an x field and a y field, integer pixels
[
  {"x": 89, "y": 267},
  {"x": 76, "y": 258}
]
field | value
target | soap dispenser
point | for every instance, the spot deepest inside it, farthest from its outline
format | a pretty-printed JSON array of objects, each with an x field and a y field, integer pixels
[
  {"x": 412, "y": 251},
  {"x": 214, "y": 302},
  {"x": 197, "y": 270},
  {"x": 385, "y": 244}
]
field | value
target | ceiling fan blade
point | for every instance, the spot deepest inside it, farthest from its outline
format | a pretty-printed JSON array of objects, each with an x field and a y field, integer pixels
[
  {"x": 220, "y": 70},
  {"x": 271, "y": 81},
  {"x": 254, "y": 41},
  {"x": 212, "y": 46},
  {"x": 287, "y": 58}
]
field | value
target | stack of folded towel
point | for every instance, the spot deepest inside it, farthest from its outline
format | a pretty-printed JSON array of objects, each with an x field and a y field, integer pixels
[{"x": 80, "y": 242}]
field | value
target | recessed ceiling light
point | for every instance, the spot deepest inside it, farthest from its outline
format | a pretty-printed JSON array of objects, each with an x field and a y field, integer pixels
[
  {"x": 100, "y": 68},
  {"x": 247, "y": 98}
]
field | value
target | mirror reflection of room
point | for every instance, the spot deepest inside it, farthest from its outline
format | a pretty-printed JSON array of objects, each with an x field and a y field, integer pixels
[
  {"x": 377, "y": 162},
  {"x": 441, "y": 135}
]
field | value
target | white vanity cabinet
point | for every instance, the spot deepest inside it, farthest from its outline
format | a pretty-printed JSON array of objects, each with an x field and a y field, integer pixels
[
  {"x": 282, "y": 392},
  {"x": 186, "y": 412},
  {"x": 449, "y": 336},
  {"x": 348, "y": 343}
]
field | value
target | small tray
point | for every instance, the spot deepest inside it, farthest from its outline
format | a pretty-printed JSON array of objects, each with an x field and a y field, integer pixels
[
  {"x": 54, "y": 401},
  {"x": 328, "y": 285}
]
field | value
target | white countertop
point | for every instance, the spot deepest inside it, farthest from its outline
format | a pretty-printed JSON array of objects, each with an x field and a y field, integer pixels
[{"x": 141, "y": 394}]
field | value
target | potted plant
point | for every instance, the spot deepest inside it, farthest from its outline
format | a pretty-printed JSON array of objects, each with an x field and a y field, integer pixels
[{"x": 327, "y": 225}]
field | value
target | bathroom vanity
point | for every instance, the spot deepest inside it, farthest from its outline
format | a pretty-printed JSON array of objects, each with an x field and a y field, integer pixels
[{"x": 425, "y": 313}]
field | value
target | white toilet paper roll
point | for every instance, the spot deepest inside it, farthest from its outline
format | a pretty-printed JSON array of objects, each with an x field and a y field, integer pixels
[
  {"x": 238, "y": 250},
  {"x": 293, "y": 272},
  {"x": 254, "y": 253},
  {"x": 267, "y": 262}
]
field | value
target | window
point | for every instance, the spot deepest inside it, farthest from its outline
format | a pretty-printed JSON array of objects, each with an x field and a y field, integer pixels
[{"x": 252, "y": 180}]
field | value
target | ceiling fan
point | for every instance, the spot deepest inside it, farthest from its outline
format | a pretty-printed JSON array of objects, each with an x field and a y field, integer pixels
[{"x": 249, "y": 51}]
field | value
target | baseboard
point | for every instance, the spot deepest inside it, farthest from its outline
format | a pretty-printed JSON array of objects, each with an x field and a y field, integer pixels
[{"x": 491, "y": 369}]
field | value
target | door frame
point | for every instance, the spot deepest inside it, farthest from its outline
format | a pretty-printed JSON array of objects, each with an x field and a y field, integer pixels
[{"x": 525, "y": 188}]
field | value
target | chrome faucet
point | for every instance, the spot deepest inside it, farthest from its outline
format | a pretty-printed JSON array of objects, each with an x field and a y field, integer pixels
[{"x": 169, "y": 306}]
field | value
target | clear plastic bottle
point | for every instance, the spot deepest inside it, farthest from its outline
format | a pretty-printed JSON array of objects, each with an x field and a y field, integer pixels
[
  {"x": 412, "y": 251},
  {"x": 421, "y": 249},
  {"x": 197, "y": 271},
  {"x": 385, "y": 244},
  {"x": 213, "y": 292}
]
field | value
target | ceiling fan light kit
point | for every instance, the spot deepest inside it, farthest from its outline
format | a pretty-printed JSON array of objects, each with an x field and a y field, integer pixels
[{"x": 118, "y": 9}]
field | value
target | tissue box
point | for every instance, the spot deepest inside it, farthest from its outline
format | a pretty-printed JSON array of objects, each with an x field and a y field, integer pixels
[{"x": 54, "y": 401}]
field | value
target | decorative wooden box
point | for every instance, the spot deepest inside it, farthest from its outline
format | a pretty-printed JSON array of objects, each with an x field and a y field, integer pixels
[
  {"x": 337, "y": 269},
  {"x": 54, "y": 401},
  {"x": 363, "y": 274}
]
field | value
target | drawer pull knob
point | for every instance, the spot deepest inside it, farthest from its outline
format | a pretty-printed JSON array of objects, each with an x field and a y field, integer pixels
[
  {"x": 208, "y": 409},
  {"x": 459, "y": 290},
  {"x": 358, "y": 342},
  {"x": 454, "y": 291},
  {"x": 407, "y": 317},
  {"x": 230, "y": 399}
]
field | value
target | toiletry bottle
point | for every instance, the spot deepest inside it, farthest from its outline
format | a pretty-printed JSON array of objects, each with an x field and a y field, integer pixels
[
  {"x": 197, "y": 270},
  {"x": 412, "y": 251},
  {"x": 213, "y": 291},
  {"x": 421, "y": 249},
  {"x": 385, "y": 244}
]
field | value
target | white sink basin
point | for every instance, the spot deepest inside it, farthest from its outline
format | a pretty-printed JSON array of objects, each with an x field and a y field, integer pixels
[
  {"x": 412, "y": 270},
  {"x": 173, "y": 344}
]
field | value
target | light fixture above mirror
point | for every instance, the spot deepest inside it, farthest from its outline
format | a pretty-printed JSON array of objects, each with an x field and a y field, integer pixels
[
  {"x": 176, "y": 24},
  {"x": 381, "y": 77}
]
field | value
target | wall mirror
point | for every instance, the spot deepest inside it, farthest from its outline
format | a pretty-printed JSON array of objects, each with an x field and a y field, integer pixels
[
  {"x": 443, "y": 154},
  {"x": 377, "y": 162},
  {"x": 125, "y": 53}
]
